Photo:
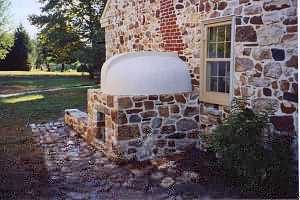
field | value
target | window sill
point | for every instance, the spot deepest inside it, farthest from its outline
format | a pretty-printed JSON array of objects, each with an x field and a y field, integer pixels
[{"x": 215, "y": 98}]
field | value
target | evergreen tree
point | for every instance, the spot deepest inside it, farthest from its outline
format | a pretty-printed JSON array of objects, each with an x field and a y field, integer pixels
[{"x": 18, "y": 57}]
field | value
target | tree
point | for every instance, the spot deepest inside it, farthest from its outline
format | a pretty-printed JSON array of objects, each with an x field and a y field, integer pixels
[
  {"x": 6, "y": 40},
  {"x": 18, "y": 57},
  {"x": 71, "y": 31},
  {"x": 88, "y": 26},
  {"x": 33, "y": 54}
]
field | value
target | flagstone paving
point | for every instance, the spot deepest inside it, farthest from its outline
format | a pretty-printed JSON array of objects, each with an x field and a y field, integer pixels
[{"x": 78, "y": 171}]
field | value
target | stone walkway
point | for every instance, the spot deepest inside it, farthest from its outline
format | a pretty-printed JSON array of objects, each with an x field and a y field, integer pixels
[{"x": 78, "y": 171}]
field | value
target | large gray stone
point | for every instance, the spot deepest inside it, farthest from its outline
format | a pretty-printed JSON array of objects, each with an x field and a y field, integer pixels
[
  {"x": 252, "y": 10},
  {"x": 273, "y": 70},
  {"x": 259, "y": 82},
  {"x": 186, "y": 124},
  {"x": 135, "y": 118},
  {"x": 243, "y": 64},
  {"x": 156, "y": 122},
  {"x": 265, "y": 104},
  {"x": 272, "y": 17},
  {"x": 261, "y": 53},
  {"x": 270, "y": 34}
]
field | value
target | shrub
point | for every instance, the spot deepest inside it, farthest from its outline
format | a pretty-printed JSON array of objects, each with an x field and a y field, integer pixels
[
  {"x": 239, "y": 143},
  {"x": 258, "y": 160},
  {"x": 281, "y": 179}
]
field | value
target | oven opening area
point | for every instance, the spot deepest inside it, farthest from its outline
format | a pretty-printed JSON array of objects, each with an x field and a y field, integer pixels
[{"x": 100, "y": 135}]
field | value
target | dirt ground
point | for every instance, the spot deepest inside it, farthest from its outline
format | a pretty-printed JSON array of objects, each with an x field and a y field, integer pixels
[{"x": 22, "y": 167}]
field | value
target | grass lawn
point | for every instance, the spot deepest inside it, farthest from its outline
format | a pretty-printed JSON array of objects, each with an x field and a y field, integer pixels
[
  {"x": 40, "y": 107},
  {"x": 13, "y": 82}
]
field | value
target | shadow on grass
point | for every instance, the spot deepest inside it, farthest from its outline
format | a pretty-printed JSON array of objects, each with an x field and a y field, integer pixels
[{"x": 15, "y": 83}]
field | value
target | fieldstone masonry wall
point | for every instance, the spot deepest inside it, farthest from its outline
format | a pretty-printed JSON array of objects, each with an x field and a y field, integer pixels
[
  {"x": 265, "y": 47},
  {"x": 139, "y": 127},
  {"x": 133, "y": 26}
]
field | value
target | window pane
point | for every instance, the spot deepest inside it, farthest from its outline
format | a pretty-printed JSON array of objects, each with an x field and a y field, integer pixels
[
  {"x": 227, "y": 85},
  {"x": 212, "y": 34},
  {"x": 222, "y": 68},
  {"x": 221, "y": 84},
  {"x": 213, "y": 85},
  {"x": 227, "y": 49},
  {"x": 218, "y": 76},
  {"x": 221, "y": 33},
  {"x": 212, "y": 48},
  {"x": 228, "y": 32},
  {"x": 228, "y": 69},
  {"x": 212, "y": 69},
  {"x": 220, "y": 50}
]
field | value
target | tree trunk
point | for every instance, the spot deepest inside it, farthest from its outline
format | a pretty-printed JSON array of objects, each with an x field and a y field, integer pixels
[
  {"x": 48, "y": 67},
  {"x": 63, "y": 67}
]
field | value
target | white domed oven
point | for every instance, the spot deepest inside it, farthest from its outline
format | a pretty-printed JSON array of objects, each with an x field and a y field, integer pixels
[{"x": 145, "y": 73}]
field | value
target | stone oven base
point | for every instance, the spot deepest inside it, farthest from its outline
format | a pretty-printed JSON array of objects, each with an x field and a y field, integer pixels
[
  {"x": 78, "y": 121},
  {"x": 138, "y": 127}
]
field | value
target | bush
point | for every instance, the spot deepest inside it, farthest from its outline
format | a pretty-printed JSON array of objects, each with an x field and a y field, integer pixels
[
  {"x": 244, "y": 152},
  {"x": 239, "y": 143},
  {"x": 281, "y": 180}
]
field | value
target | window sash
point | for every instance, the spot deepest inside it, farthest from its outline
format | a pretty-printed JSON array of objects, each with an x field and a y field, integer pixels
[
  {"x": 216, "y": 47},
  {"x": 211, "y": 96},
  {"x": 214, "y": 83},
  {"x": 213, "y": 73}
]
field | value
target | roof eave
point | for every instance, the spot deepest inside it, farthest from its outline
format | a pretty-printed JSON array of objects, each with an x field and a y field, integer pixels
[{"x": 103, "y": 16}]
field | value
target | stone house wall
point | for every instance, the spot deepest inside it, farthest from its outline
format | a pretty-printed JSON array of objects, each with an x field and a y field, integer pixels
[{"x": 265, "y": 67}]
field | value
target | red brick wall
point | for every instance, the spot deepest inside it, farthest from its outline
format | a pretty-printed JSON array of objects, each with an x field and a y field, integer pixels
[{"x": 172, "y": 37}]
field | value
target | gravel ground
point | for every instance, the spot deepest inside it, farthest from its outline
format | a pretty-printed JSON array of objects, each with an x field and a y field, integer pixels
[{"x": 78, "y": 171}]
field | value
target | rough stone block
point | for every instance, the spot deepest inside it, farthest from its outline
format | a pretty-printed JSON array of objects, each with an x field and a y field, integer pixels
[{"x": 127, "y": 132}]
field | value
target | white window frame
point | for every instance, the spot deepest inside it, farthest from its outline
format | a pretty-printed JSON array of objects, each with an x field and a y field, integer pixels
[{"x": 219, "y": 98}]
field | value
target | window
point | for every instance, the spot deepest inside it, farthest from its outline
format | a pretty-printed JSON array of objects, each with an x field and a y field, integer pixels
[{"x": 216, "y": 64}]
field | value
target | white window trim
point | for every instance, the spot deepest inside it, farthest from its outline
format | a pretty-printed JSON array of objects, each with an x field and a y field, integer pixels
[{"x": 216, "y": 97}]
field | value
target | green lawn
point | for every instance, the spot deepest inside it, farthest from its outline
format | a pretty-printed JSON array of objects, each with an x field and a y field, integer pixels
[
  {"x": 18, "y": 111},
  {"x": 13, "y": 82}
]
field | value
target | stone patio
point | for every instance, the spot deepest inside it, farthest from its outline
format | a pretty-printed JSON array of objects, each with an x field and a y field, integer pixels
[{"x": 78, "y": 171}]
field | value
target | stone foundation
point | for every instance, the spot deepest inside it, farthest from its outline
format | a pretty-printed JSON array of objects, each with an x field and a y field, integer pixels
[{"x": 138, "y": 127}]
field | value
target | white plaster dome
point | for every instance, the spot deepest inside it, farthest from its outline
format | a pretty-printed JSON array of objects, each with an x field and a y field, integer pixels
[{"x": 145, "y": 73}]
